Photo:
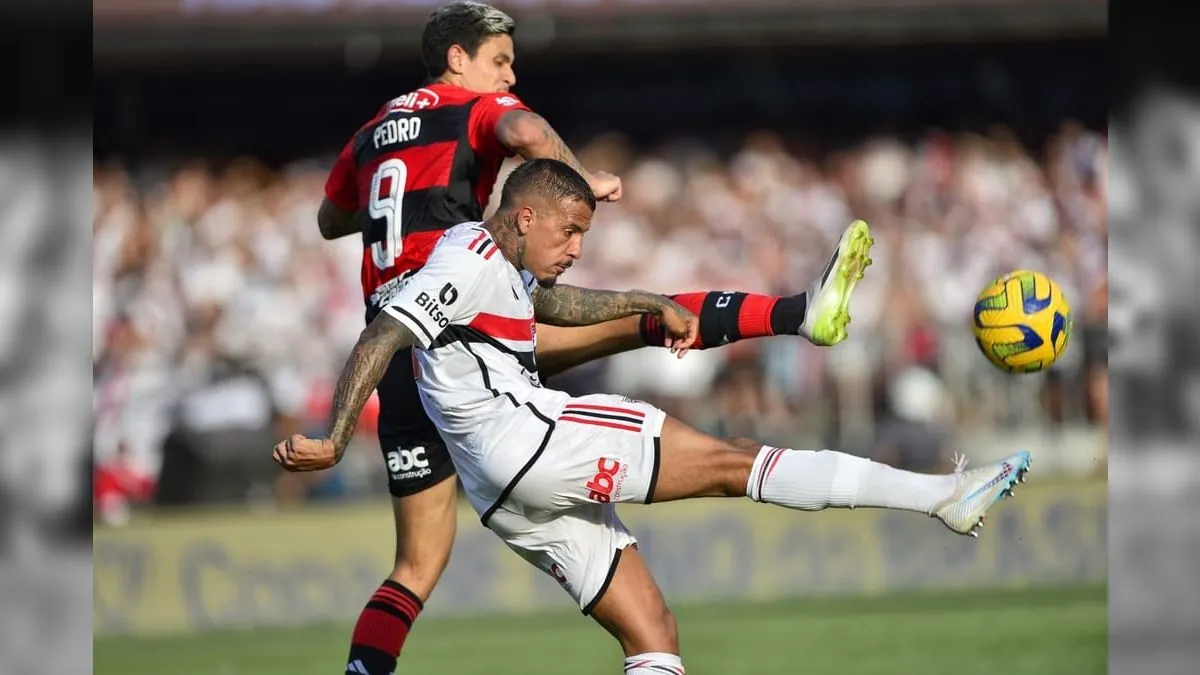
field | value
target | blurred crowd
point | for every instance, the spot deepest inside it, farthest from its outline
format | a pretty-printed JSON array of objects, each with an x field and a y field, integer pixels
[{"x": 217, "y": 304}]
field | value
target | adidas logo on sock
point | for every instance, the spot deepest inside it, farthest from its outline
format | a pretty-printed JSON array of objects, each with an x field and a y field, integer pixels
[{"x": 356, "y": 667}]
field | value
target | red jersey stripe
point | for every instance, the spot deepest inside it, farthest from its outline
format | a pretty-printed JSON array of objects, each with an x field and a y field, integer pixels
[
  {"x": 607, "y": 408},
  {"x": 599, "y": 423},
  {"x": 612, "y": 417},
  {"x": 476, "y": 240},
  {"x": 503, "y": 327},
  {"x": 427, "y": 166}
]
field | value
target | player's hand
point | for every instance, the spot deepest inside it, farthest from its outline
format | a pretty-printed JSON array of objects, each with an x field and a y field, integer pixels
[
  {"x": 305, "y": 454},
  {"x": 606, "y": 186},
  {"x": 681, "y": 326}
]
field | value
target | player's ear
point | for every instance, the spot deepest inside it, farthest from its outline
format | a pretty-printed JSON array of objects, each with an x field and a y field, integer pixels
[
  {"x": 456, "y": 59},
  {"x": 525, "y": 216}
]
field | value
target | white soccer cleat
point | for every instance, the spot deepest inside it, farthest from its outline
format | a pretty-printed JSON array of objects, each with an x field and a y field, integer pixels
[
  {"x": 978, "y": 489},
  {"x": 828, "y": 311}
]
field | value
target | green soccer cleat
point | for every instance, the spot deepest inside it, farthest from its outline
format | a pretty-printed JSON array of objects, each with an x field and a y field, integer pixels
[{"x": 828, "y": 311}]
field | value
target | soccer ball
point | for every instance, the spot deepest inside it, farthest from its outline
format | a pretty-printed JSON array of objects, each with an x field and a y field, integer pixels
[{"x": 1022, "y": 322}]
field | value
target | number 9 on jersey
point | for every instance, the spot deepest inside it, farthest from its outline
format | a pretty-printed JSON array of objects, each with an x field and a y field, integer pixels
[{"x": 387, "y": 197}]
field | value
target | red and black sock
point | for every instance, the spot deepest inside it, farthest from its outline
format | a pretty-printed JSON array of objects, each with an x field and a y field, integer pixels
[
  {"x": 381, "y": 630},
  {"x": 727, "y": 317}
]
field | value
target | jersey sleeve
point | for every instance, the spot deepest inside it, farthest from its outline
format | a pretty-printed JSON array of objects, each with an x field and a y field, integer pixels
[
  {"x": 440, "y": 295},
  {"x": 485, "y": 116},
  {"x": 341, "y": 188}
]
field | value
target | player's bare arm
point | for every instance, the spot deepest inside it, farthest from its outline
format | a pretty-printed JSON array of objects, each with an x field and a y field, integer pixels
[
  {"x": 563, "y": 305},
  {"x": 334, "y": 222},
  {"x": 362, "y": 373},
  {"x": 531, "y": 136},
  {"x": 364, "y": 369}
]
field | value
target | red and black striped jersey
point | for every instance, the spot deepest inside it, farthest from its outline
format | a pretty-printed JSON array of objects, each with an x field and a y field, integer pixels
[{"x": 426, "y": 162}]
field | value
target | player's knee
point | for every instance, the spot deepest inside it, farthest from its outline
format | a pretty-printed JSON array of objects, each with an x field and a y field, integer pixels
[
  {"x": 668, "y": 637},
  {"x": 653, "y": 634},
  {"x": 671, "y": 631}
]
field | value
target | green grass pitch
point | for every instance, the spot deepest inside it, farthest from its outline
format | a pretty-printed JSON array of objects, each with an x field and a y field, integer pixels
[{"x": 1016, "y": 632}]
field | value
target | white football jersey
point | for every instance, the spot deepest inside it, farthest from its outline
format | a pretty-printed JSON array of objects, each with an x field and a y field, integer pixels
[{"x": 472, "y": 314}]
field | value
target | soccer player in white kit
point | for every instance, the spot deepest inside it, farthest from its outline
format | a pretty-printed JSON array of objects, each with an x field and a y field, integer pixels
[{"x": 545, "y": 470}]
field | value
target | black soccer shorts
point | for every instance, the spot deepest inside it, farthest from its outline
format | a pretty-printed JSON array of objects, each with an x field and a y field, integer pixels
[{"x": 416, "y": 459}]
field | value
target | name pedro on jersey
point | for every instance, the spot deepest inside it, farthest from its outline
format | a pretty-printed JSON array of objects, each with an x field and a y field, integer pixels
[{"x": 403, "y": 130}]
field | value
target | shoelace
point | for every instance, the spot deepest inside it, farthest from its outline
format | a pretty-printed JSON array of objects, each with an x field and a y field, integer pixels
[{"x": 960, "y": 463}]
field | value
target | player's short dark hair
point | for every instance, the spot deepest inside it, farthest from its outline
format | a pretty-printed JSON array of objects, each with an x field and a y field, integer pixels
[
  {"x": 548, "y": 177},
  {"x": 466, "y": 24}
]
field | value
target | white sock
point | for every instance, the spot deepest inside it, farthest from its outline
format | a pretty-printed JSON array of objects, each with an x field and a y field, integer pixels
[
  {"x": 811, "y": 481},
  {"x": 654, "y": 663}
]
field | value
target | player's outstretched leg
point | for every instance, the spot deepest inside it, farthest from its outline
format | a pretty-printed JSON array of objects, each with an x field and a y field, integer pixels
[
  {"x": 558, "y": 510},
  {"x": 820, "y": 314},
  {"x": 693, "y": 464}
]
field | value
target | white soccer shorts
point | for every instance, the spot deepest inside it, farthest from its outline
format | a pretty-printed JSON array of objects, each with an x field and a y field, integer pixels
[{"x": 559, "y": 511}]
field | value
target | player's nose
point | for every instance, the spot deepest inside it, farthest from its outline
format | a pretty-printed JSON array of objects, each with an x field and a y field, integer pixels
[{"x": 509, "y": 77}]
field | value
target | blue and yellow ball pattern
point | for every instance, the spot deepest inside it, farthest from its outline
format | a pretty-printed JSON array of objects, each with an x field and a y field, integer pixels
[{"x": 1022, "y": 322}]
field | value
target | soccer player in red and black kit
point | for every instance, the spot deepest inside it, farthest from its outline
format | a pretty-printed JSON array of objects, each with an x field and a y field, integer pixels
[{"x": 428, "y": 161}]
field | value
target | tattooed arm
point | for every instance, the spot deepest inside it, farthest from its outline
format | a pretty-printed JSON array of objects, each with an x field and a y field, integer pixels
[
  {"x": 376, "y": 346},
  {"x": 572, "y": 306},
  {"x": 531, "y": 136},
  {"x": 368, "y": 362}
]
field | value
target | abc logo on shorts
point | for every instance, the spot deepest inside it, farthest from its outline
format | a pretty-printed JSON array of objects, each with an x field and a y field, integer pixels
[{"x": 408, "y": 463}]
